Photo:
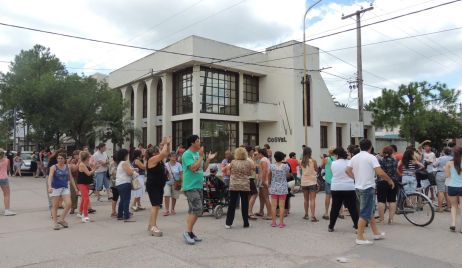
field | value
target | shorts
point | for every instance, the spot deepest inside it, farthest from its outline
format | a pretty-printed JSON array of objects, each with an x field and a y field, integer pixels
[
  {"x": 115, "y": 194},
  {"x": 253, "y": 187},
  {"x": 156, "y": 194},
  {"x": 281, "y": 197},
  {"x": 366, "y": 199},
  {"x": 170, "y": 192},
  {"x": 4, "y": 182},
  {"x": 441, "y": 182},
  {"x": 454, "y": 191},
  {"x": 139, "y": 193},
  {"x": 424, "y": 183},
  {"x": 60, "y": 192},
  {"x": 101, "y": 180},
  {"x": 411, "y": 184},
  {"x": 327, "y": 188},
  {"x": 195, "y": 199},
  {"x": 385, "y": 193},
  {"x": 310, "y": 189}
]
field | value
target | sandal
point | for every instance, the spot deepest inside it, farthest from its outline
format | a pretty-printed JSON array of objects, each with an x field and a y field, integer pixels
[
  {"x": 259, "y": 214},
  {"x": 341, "y": 217},
  {"x": 173, "y": 212},
  {"x": 325, "y": 217},
  {"x": 282, "y": 225},
  {"x": 166, "y": 213},
  {"x": 306, "y": 217},
  {"x": 155, "y": 231},
  {"x": 267, "y": 218},
  {"x": 113, "y": 215},
  {"x": 313, "y": 219},
  {"x": 252, "y": 217},
  {"x": 274, "y": 225}
]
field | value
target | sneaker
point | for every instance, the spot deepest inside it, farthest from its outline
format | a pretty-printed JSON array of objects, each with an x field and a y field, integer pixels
[
  {"x": 188, "y": 239},
  {"x": 8, "y": 213},
  {"x": 134, "y": 208},
  {"x": 248, "y": 226},
  {"x": 363, "y": 242},
  {"x": 330, "y": 230},
  {"x": 380, "y": 236},
  {"x": 56, "y": 226},
  {"x": 228, "y": 226},
  {"x": 197, "y": 239},
  {"x": 85, "y": 219}
]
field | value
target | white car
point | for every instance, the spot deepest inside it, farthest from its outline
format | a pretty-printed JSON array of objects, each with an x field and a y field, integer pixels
[{"x": 27, "y": 158}]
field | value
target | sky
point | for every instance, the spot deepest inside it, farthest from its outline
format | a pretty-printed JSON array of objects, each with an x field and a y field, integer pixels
[{"x": 253, "y": 24}]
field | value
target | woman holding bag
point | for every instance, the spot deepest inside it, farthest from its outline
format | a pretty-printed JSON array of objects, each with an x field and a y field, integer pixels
[
  {"x": 172, "y": 187},
  {"x": 140, "y": 166}
]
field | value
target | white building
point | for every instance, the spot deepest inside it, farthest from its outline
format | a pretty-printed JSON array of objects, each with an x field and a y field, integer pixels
[{"x": 231, "y": 103}]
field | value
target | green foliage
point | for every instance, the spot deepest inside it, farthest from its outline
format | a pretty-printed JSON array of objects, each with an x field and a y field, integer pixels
[
  {"x": 414, "y": 108},
  {"x": 55, "y": 102}
]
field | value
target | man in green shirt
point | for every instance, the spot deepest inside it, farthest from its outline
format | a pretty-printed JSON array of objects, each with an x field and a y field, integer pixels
[
  {"x": 193, "y": 180},
  {"x": 328, "y": 178}
]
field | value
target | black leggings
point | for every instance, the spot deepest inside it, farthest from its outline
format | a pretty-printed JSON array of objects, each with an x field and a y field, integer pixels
[
  {"x": 348, "y": 198},
  {"x": 234, "y": 196}
]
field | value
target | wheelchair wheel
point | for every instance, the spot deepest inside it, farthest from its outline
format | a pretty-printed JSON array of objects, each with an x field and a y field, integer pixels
[{"x": 218, "y": 212}]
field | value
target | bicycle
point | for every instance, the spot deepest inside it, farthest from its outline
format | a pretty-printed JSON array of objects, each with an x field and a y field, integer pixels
[{"x": 416, "y": 207}]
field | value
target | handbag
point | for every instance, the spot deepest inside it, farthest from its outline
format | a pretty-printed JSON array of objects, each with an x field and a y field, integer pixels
[{"x": 136, "y": 185}]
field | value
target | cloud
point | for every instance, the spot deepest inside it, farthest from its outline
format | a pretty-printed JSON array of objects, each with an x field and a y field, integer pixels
[{"x": 254, "y": 24}]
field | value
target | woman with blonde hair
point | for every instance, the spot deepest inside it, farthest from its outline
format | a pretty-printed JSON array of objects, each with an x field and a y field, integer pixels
[
  {"x": 309, "y": 183},
  {"x": 4, "y": 182},
  {"x": 240, "y": 169}
]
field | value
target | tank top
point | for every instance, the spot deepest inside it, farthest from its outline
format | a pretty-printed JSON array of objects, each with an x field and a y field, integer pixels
[
  {"x": 83, "y": 178},
  {"x": 456, "y": 179},
  {"x": 140, "y": 171},
  {"x": 122, "y": 176},
  {"x": 409, "y": 170},
  {"x": 308, "y": 175},
  {"x": 4, "y": 168},
  {"x": 60, "y": 178},
  {"x": 266, "y": 160},
  {"x": 156, "y": 175}
]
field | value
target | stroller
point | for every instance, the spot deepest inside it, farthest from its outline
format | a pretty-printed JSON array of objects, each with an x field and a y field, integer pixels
[{"x": 216, "y": 195}]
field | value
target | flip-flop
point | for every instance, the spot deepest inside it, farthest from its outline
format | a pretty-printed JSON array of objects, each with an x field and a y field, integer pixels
[
  {"x": 267, "y": 218},
  {"x": 313, "y": 219},
  {"x": 306, "y": 217},
  {"x": 258, "y": 214},
  {"x": 252, "y": 217},
  {"x": 166, "y": 213},
  {"x": 274, "y": 225}
]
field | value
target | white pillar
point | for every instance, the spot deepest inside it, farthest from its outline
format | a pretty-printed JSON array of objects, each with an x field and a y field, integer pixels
[
  {"x": 126, "y": 96},
  {"x": 332, "y": 135},
  {"x": 138, "y": 110},
  {"x": 196, "y": 99},
  {"x": 152, "y": 97},
  {"x": 167, "y": 91},
  {"x": 241, "y": 101},
  {"x": 346, "y": 136}
]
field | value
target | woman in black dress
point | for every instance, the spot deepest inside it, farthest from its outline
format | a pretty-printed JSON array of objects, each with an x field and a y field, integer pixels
[{"x": 156, "y": 179}]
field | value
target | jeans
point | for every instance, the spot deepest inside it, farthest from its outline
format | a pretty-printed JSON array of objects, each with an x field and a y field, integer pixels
[
  {"x": 101, "y": 180},
  {"x": 411, "y": 184},
  {"x": 232, "y": 207},
  {"x": 348, "y": 198},
  {"x": 125, "y": 191},
  {"x": 85, "y": 202},
  {"x": 366, "y": 203}
]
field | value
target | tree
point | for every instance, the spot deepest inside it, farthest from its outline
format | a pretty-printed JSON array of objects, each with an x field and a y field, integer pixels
[
  {"x": 56, "y": 103},
  {"x": 409, "y": 108}
]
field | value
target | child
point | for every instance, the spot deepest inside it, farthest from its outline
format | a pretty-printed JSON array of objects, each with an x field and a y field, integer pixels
[{"x": 278, "y": 188}]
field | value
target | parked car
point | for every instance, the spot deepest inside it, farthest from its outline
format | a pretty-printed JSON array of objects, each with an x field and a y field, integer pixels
[{"x": 27, "y": 160}]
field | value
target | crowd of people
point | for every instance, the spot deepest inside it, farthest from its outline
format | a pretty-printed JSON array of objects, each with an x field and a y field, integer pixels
[{"x": 355, "y": 181}]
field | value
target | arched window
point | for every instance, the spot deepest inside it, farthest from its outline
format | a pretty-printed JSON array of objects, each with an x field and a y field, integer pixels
[
  {"x": 145, "y": 101},
  {"x": 159, "y": 97}
]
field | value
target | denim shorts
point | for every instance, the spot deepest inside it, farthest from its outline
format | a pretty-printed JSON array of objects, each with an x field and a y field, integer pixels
[
  {"x": 411, "y": 184},
  {"x": 454, "y": 191},
  {"x": 56, "y": 192},
  {"x": 327, "y": 188},
  {"x": 4, "y": 182},
  {"x": 441, "y": 182},
  {"x": 310, "y": 189},
  {"x": 366, "y": 199},
  {"x": 101, "y": 179}
]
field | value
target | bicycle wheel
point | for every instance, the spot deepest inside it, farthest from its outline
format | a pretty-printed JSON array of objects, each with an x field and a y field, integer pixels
[{"x": 418, "y": 209}]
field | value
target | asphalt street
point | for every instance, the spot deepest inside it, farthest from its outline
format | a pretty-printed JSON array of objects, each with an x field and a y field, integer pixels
[{"x": 27, "y": 240}]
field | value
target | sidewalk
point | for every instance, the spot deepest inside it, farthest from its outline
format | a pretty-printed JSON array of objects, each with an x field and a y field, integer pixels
[{"x": 28, "y": 240}]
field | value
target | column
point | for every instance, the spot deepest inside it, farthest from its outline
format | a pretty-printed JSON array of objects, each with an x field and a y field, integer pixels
[
  {"x": 167, "y": 91},
  {"x": 126, "y": 96},
  {"x": 152, "y": 88},
  {"x": 346, "y": 135},
  {"x": 138, "y": 109},
  {"x": 196, "y": 98},
  {"x": 332, "y": 135},
  {"x": 241, "y": 101}
]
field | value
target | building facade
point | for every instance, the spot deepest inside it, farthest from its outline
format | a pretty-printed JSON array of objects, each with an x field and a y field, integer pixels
[{"x": 252, "y": 100}]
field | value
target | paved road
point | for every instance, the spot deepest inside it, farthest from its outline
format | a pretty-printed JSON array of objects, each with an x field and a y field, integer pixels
[{"x": 28, "y": 240}]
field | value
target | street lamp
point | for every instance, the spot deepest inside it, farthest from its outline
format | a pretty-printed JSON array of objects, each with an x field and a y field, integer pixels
[{"x": 304, "y": 72}]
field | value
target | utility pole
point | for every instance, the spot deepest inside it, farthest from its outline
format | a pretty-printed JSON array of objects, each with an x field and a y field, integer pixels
[
  {"x": 14, "y": 130},
  {"x": 359, "y": 60}
]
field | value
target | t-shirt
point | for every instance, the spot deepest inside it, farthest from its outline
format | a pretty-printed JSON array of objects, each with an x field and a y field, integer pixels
[
  {"x": 340, "y": 180},
  {"x": 192, "y": 179},
  {"x": 174, "y": 171},
  {"x": 398, "y": 156},
  {"x": 98, "y": 156},
  {"x": 363, "y": 165},
  {"x": 293, "y": 163},
  {"x": 328, "y": 176},
  {"x": 429, "y": 158}
]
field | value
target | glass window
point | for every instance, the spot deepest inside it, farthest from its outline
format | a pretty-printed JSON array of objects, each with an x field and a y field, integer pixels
[
  {"x": 158, "y": 135},
  {"x": 132, "y": 104},
  {"x": 323, "y": 136},
  {"x": 182, "y": 92},
  {"x": 181, "y": 131},
  {"x": 219, "y": 92},
  {"x": 219, "y": 136},
  {"x": 308, "y": 98},
  {"x": 251, "y": 134},
  {"x": 339, "y": 137},
  {"x": 251, "y": 89},
  {"x": 145, "y": 102},
  {"x": 159, "y": 98},
  {"x": 145, "y": 136}
]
